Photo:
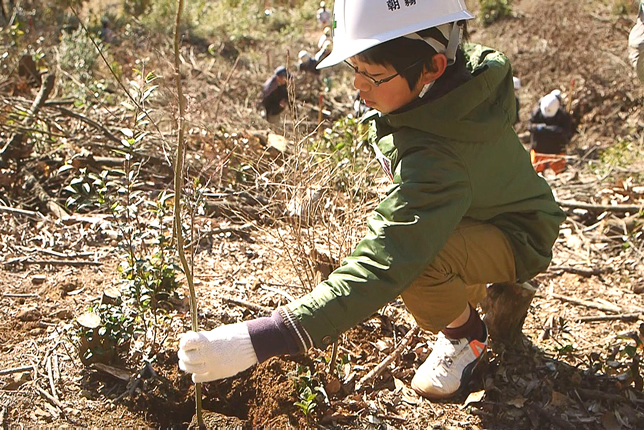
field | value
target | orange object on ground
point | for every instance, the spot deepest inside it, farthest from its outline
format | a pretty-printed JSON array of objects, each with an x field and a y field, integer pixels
[{"x": 557, "y": 162}]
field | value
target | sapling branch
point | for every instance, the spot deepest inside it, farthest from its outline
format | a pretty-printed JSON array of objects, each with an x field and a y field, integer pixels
[{"x": 178, "y": 186}]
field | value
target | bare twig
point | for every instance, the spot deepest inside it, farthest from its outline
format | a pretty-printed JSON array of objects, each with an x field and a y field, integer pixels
[
  {"x": 387, "y": 361},
  {"x": 391, "y": 417},
  {"x": 223, "y": 88},
  {"x": 51, "y": 399},
  {"x": 21, "y": 211},
  {"x": 599, "y": 395},
  {"x": 231, "y": 229},
  {"x": 15, "y": 370},
  {"x": 64, "y": 262},
  {"x": 43, "y": 197},
  {"x": 91, "y": 122},
  {"x": 19, "y": 296},
  {"x": 249, "y": 305},
  {"x": 56, "y": 253},
  {"x": 582, "y": 272},
  {"x": 17, "y": 138},
  {"x": 630, "y": 316},
  {"x": 613, "y": 208},
  {"x": 50, "y": 376},
  {"x": 586, "y": 303},
  {"x": 56, "y": 367},
  {"x": 334, "y": 356},
  {"x": 178, "y": 187}
]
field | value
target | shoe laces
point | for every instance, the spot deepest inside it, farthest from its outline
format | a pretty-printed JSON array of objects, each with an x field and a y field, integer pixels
[{"x": 443, "y": 351}]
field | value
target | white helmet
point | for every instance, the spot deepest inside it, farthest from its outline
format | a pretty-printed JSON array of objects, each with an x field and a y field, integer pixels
[
  {"x": 517, "y": 83},
  {"x": 362, "y": 24},
  {"x": 303, "y": 55},
  {"x": 550, "y": 103}
]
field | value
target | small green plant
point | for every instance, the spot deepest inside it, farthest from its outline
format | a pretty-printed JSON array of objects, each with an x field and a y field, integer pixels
[
  {"x": 494, "y": 10},
  {"x": 104, "y": 333},
  {"x": 624, "y": 7},
  {"x": 307, "y": 389},
  {"x": 147, "y": 270},
  {"x": 622, "y": 154},
  {"x": 77, "y": 53},
  {"x": 625, "y": 359},
  {"x": 16, "y": 33}
]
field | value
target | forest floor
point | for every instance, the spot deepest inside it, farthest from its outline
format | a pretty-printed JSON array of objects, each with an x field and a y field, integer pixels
[{"x": 578, "y": 366}]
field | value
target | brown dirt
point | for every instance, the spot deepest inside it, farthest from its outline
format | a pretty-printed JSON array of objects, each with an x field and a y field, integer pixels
[{"x": 560, "y": 377}]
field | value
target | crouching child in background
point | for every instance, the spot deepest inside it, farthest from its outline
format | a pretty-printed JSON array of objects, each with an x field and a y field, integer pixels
[{"x": 551, "y": 128}]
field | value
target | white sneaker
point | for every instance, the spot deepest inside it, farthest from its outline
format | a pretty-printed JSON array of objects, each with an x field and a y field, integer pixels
[{"x": 449, "y": 367}]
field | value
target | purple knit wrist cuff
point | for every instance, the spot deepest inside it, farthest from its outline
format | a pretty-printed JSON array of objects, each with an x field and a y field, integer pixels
[{"x": 271, "y": 337}]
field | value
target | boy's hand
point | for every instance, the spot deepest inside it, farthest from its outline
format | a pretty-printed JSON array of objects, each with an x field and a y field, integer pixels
[{"x": 217, "y": 354}]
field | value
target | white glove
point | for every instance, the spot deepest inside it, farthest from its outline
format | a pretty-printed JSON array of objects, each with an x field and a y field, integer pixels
[{"x": 217, "y": 354}]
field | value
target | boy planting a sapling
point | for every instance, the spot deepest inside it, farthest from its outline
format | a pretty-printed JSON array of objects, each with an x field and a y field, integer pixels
[{"x": 465, "y": 207}]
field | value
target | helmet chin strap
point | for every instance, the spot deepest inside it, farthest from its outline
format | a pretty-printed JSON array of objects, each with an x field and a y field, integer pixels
[
  {"x": 451, "y": 32},
  {"x": 426, "y": 88}
]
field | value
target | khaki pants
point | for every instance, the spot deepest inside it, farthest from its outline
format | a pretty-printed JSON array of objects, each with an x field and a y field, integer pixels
[{"x": 477, "y": 253}]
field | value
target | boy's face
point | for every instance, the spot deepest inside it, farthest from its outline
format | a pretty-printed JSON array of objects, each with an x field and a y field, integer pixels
[{"x": 386, "y": 97}]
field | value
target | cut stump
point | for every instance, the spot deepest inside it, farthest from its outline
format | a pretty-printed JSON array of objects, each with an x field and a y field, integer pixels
[{"x": 506, "y": 307}]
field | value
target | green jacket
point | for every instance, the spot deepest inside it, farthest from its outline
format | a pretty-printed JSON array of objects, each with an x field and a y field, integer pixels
[{"x": 453, "y": 157}]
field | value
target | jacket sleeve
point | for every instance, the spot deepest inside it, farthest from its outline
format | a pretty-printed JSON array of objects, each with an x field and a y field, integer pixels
[
  {"x": 430, "y": 195},
  {"x": 535, "y": 116}
]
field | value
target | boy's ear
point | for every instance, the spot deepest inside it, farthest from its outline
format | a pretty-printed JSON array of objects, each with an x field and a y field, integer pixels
[{"x": 439, "y": 63}]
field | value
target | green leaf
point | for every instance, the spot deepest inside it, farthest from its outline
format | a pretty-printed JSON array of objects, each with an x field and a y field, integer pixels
[
  {"x": 65, "y": 168},
  {"x": 148, "y": 92},
  {"x": 127, "y": 132},
  {"x": 128, "y": 106}
]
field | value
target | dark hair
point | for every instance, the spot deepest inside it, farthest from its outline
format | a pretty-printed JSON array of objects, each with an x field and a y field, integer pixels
[{"x": 402, "y": 52}]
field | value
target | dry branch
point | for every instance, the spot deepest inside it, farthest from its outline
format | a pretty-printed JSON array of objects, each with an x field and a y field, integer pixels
[
  {"x": 609, "y": 317},
  {"x": 223, "y": 88},
  {"x": 586, "y": 303},
  {"x": 51, "y": 399},
  {"x": 91, "y": 122},
  {"x": 63, "y": 262},
  {"x": 20, "y": 211},
  {"x": 15, "y": 370},
  {"x": 249, "y": 305},
  {"x": 50, "y": 376},
  {"x": 43, "y": 197},
  {"x": 387, "y": 361},
  {"x": 10, "y": 148},
  {"x": 589, "y": 206},
  {"x": 232, "y": 229},
  {"x": 582, "y": 272},
  {"x": 18, "y": 296},
  {"x": 599, "y": 395}
]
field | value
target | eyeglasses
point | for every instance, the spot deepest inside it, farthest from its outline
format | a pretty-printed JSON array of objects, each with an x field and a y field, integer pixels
[{"x": 378, "y": 82}]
